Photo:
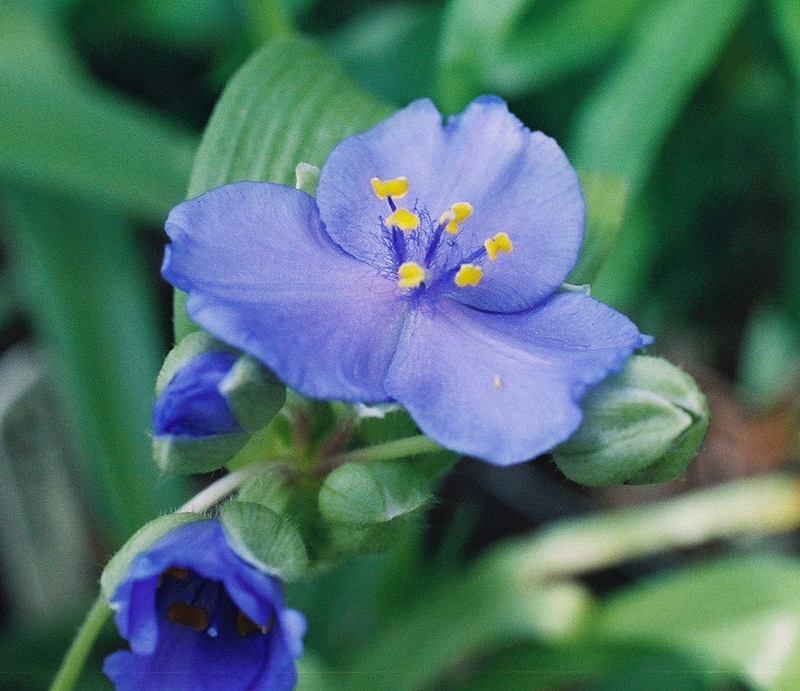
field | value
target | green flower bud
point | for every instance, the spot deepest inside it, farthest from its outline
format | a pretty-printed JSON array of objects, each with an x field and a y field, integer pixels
[
  {"x": 641, "y": 425},
  {"x": 211, "y": 399}
]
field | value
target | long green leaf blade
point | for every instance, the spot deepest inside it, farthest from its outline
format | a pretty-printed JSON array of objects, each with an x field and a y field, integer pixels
[
  {"x": 624, "y": 122},
  {"x": 87, "y": 293}
]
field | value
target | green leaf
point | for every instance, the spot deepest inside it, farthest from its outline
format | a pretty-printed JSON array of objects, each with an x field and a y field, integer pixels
[
  {"x": 606, "y": 196},
  {"x": 263, "y": 538},
  {"x": 786, "y": 21},
  {"x": 623, "y": 123},
  {"x": 88, "y": 294},
  {"x": 521, "y": 45},
  {"x": 465, "y": 615},
  {"x": 740, "y": 614},
  {"x": 390, "y": 48},
  {"x": 289, "y": 103},
  {"x": 144, "y": 538},
  {"x": 59, "y": 129},
  {"x": 586, "y": 664}
]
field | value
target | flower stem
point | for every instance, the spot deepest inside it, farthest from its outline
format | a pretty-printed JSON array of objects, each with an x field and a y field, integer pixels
[
  {"x": 399, "y": 448},
  {"x": 224, "y": 487},
  {"x": 76, "y": 656}
]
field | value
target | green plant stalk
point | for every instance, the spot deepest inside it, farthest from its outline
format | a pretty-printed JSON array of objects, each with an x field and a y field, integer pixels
[
  {"x": 79, "y": 651},
  {"x": 521, "y": 586},
  {"x": 399, "y": 448}
]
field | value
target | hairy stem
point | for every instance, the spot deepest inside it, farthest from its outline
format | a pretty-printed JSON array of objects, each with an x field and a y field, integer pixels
[{"x": 76, "y": 656}]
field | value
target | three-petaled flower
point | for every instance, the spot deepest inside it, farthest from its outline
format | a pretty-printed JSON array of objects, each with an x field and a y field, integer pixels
[
  {"x": 448, "y": 304},
  {"x": 199, "y": 617}
]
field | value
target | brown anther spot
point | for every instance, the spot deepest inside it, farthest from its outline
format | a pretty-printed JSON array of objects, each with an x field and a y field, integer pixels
[
  {"x": 187, "y": 615},
  {"x": 246, "y": 625}
]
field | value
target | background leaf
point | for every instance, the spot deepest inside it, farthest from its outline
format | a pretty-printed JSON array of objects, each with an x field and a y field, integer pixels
[
  {"x": 87, "y": 288},
  {"x": 58, "y": 128}
]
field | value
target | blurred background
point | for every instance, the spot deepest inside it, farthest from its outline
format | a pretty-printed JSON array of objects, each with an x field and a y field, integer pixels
[{"x": 692, "y": 104}]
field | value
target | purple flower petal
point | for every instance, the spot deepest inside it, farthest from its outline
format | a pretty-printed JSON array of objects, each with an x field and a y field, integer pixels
[
  {"x": 517, "y": 181},
  {"x": 505, "y": 387},
  {"x": 263, "y": 276},
  {"x": 169, "y": 653}
]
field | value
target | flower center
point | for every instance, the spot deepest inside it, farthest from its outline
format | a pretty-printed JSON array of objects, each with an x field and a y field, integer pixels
[
  {"x": 423, "y": 250},
  {"x": 188, "y": 599}
]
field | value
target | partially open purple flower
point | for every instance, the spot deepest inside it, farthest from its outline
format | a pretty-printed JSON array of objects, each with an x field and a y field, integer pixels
[
  {"x": 448, "y": 304},
  {"x": 194, "y": 403},
  {"x": 199, "y": 617}
]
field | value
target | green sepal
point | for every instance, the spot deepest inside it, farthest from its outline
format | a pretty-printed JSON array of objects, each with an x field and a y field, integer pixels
[
  {"x": 606, "y": 196},
  {"x": 187, "y": 455},
  {"x": 264, "y": 539},
  {"x": 362, "y": 493},
  {"x": 117, "y": 568},
  {"x": 368, "y": 505},
  {"x": 254, "y": 393},
  {"x": 194, "y": 344},
  {"x": 277, "y": 489},
  {"x": 641, "y": 425}
]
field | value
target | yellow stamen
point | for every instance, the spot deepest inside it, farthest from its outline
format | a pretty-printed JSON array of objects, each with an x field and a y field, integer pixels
[
  {"x": 403, "y": 219},
  {"x": 410, "y": 275},
  {"x": 187, "y": 615},
  {"x": 468, "y": 275},
  {"x": 396, "y": 187},
  {"x": 497, "y": 381},
  {"x": 499, "y": 243},
  {"x": 455, "y": 215}
]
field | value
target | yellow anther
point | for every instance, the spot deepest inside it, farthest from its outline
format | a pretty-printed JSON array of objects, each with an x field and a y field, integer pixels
[
  {"x": 468, "y": 275},
  {"x": 497, "y": 381},
  {"x": 499, "y": 243},
  {"x": 396, "y": 187},
  {"x": 403, "y": 219},
  {"x": 455, "y": 215},
  {"x": 410, "y": 275}
]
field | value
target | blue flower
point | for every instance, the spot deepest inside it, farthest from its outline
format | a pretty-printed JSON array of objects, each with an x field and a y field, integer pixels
[
  {"x": 448, "y": 304},
  {"x": 199, "y": 617},
  {"x": 194, "y": 403}
]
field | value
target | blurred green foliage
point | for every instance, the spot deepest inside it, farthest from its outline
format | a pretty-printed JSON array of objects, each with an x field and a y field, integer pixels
[{"x": 682, "y": 116}]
